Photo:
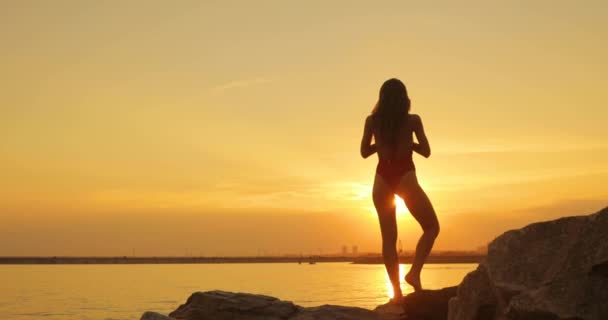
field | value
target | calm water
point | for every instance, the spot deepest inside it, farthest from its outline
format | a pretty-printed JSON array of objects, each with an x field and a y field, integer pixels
[{"x": 125, "y": 291}]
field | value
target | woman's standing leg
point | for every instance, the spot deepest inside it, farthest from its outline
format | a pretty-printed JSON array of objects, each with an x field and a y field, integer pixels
[
  {"x": 384, "y": 201},
  {"x": 419, "y": 205}
]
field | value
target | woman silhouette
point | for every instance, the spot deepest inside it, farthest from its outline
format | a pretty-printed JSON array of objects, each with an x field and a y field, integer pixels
[{"x": 392, "y": 127}]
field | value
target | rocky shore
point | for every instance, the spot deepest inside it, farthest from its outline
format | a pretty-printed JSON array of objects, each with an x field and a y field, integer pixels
[
  {"x": 553, "y": 270},
  {"x": 222, "y": 305}
]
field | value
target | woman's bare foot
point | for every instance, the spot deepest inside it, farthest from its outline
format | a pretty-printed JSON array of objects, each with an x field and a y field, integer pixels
[
  {"x": 396, "y": 300},
  {"x": 413, "y": 281}
]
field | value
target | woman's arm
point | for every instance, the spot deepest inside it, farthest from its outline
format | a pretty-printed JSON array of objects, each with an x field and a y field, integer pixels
[
  {"x": 367, "y": 148},
  {"x": 422, "y": 147}
]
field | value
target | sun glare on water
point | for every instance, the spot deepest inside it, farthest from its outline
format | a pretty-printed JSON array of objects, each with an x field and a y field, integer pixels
[{"x": 404, "y": 286}]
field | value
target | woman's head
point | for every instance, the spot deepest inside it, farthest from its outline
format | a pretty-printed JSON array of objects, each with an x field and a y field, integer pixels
[
  {"x": 393, "y": 95},
  {"x": 391, "y": 109}
]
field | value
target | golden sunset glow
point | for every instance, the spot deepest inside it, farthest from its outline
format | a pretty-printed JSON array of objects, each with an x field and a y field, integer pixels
[{"x": 213, "y": 128}]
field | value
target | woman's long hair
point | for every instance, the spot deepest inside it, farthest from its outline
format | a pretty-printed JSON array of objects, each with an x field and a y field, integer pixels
[{"x": 391, "y": 111}]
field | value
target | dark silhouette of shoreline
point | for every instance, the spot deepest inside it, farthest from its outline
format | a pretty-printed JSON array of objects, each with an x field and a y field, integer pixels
[{"x": 464, "y": 257}]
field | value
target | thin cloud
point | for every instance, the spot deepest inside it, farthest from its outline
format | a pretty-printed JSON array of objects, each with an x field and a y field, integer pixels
[{"x": 239, "y": 84}]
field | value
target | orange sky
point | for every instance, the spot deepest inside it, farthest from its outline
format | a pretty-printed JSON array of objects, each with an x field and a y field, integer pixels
[{"x": 229, "y": 128}]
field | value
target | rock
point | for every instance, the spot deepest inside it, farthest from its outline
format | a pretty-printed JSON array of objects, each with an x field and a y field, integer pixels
[
  {"x": 149, "y": 315},
  {"x": 422, "y": 305},
  {"x": 222, "y": 305},
  {"x": 478, "y": 298},
  {"x": 327, "y": 311},
  {"x": 474, "y": 290},
  {"x": 600, "y": 269},
  {"x": 548, "y": 270},
  {"x": 390, "y": 311},
  {"x": 429, "y": 304}
]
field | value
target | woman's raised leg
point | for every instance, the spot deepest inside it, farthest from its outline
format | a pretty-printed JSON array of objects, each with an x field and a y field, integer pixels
[
  {"x": 420, "y": 207},
  {"x": 384, "y": 201}
]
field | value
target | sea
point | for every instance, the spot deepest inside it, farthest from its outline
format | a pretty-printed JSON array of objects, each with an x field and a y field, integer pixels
[{"x": 125, "y": 291}]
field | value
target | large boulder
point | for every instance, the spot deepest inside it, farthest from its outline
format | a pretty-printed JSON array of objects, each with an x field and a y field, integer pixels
[
  {"x": 550, "y": 270},
  {"x": 228, "y": 305},
  {"x": 222, "y": 305}
]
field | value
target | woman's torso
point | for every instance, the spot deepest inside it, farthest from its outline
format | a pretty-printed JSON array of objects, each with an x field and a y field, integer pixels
[{"x": 401, "y": 149}]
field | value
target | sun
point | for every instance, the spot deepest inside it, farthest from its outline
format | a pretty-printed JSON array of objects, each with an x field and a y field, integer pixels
[
  {"x": 400, "y": 206},
  {"x": 400, "y": 209}
]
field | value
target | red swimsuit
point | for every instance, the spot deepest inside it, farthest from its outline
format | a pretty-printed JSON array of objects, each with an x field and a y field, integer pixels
[{"x": 391, "y": 170}]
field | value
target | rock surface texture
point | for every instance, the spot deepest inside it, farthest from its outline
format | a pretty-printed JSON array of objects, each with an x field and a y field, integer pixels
[{"x": 554, "y": 270}]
